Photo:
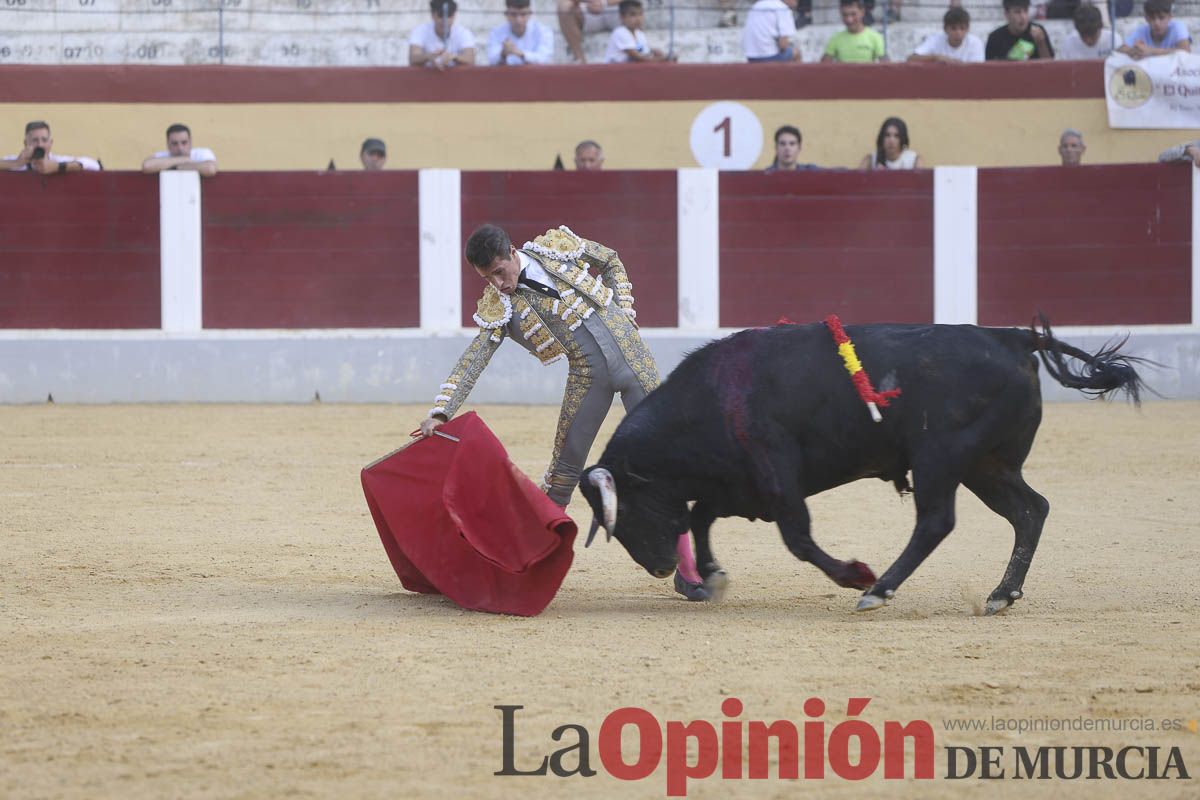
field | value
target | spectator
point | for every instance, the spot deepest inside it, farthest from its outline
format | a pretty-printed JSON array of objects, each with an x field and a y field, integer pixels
[
  {"x": 787, "y": 151},
  {"x": 589, "y": 156},
  {"x": 1087, "y": 42},
  {"x": 891, "y": 148},
  {"x": 577, "y": 17},
  {"x": 439, "y": 43},
  {"x": 728, "y": 18},
  {"x": 804, "y": 17},
  {"x": 1020, "y": 39},
  {"x": 858, "y": 44},
  {"x": 955, "y": 45},
  {"x": 36, "y": 155},
  {"x": 628, "y": 40},
  {"x": 1182, "y": 152},
  {"x": 373, "y": 155},
  {"x": 1159, "y": 35},
  {"x": 1056, "y": 9},
  {"x": 181, "y": 155},
  {"x": 1071, "y": 147},
  {"x": 520, "y": 40},
  {"x": 770, "y": 26}
]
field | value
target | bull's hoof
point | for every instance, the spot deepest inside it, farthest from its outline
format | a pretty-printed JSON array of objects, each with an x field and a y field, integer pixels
[
  {"x": 716, "y": 584},
  {"x": 995, "y": 607},
  {"x": 870, "y": 602},
  {"x": 855, "y": 575},
  {"x": 998, "y": 605}
]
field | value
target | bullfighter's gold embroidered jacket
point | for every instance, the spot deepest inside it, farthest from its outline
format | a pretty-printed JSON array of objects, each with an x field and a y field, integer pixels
[{"x": 545, "y": 326}]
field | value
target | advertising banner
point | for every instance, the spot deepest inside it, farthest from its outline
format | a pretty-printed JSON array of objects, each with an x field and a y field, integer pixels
[{"x": 1156, "y": 92}]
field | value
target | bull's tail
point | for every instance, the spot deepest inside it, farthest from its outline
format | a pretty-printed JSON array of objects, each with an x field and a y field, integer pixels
[{"x": 1101, "y": 374}]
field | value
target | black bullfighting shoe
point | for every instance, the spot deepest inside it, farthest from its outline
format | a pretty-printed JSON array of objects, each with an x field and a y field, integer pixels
[
  {"x": 694, "y": 592},
  {"x": 712, "y": 590}
]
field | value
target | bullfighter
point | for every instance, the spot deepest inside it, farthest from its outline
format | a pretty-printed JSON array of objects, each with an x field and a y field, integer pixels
[{"x": 545, "y": 297}]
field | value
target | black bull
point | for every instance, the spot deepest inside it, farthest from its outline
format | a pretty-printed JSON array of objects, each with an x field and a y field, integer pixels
[{"x": 751, "y": 425}]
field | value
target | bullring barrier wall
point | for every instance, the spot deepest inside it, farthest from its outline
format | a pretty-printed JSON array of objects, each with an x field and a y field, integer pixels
[{"x": 119, "y": 287}]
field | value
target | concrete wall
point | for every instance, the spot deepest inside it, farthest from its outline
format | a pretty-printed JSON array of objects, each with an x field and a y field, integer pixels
[
  {"x": 328, "y": 33},
  {"x": 395, "y": 366}
]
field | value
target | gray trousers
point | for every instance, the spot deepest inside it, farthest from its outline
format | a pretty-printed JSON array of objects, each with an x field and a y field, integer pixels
[{"x": 586, "y": 403}]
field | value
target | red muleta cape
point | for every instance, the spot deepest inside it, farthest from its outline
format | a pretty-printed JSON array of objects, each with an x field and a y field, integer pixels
[{"x": 459, "y": 519}]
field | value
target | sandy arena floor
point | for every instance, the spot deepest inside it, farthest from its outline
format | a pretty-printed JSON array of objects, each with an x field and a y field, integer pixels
[{"x": 194, "y": 603}]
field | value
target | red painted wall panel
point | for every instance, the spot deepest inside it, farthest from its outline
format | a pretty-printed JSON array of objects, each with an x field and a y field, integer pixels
[
  {"x": 1089, "y": 246},
  {"x": 79, "y": 251},
  {"x": 632, "y": 212},
  {"x": 311, "y": 250},
  {"x": 809, "y": 244},
  {"x": 620, "y": 83},
  {"x": 1096, "y": 245}
]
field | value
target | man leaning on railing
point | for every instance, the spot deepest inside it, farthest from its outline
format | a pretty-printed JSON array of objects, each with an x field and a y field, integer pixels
[{"x": 181, "y": 155}]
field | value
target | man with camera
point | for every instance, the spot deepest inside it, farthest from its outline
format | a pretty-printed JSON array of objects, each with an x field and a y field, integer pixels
[{"x": 36, "y": 155}]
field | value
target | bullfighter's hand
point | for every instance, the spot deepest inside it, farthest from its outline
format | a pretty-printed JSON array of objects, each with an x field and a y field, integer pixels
[{"x": 430, "y": 424}]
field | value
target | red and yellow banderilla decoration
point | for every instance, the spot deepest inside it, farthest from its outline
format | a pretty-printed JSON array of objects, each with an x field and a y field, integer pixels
[{"x": 858, "y": 375}]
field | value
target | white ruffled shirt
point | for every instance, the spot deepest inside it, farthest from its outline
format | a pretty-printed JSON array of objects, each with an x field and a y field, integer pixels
[{"x": 534, "y": 271}]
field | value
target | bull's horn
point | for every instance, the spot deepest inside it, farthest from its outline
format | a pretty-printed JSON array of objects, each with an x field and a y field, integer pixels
[
  {"x": 602, "y": 479},
  {"x": 592, "y": 533}
]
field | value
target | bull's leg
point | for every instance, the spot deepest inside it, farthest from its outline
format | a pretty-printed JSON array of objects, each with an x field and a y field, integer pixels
[
  {"x": 796, "y": 527},
  {"x": 715, "y": 579},
  {"x": 701, "y": 520},
  {"x": 935, "y": 519},
  {"x": 1004, "y": 491}
]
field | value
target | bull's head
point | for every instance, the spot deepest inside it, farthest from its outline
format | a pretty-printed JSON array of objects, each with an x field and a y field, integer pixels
[{"x": 637, "y": 513}]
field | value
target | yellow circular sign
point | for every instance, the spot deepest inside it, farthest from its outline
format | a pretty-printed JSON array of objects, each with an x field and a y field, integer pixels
[{"x": 1130, "y": 86}]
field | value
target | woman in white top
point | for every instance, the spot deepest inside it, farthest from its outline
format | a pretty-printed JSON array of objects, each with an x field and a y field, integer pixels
[{"x": 891, "y": 148}]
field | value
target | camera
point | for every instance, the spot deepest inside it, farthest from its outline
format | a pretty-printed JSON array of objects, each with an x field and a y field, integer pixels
[{"x": 38, "y": 152}]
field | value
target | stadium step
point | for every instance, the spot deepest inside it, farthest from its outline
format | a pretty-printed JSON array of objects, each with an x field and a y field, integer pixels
[{"x": 322, "y": 33}]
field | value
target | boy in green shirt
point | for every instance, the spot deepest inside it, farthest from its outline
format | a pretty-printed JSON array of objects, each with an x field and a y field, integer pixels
[{"x": 858, "y": 44}]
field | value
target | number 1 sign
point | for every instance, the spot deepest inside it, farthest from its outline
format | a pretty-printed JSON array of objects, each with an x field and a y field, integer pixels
[{"x": 726, "y": 135}]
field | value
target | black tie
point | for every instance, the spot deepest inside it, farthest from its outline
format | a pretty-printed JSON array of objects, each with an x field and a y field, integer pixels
[{"x": 550, "y": 291}]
